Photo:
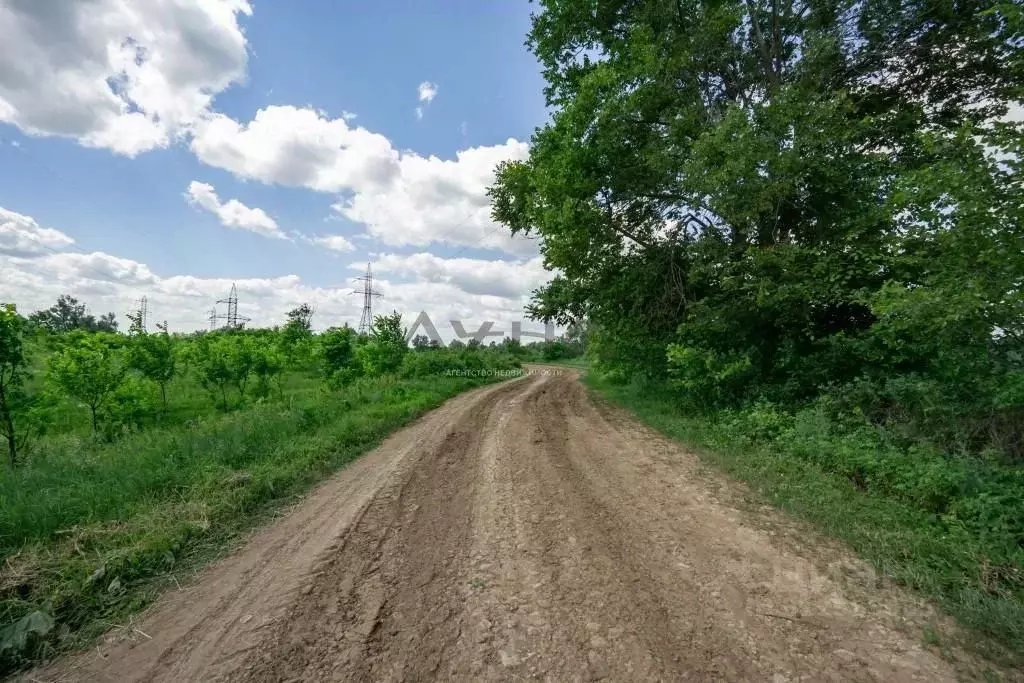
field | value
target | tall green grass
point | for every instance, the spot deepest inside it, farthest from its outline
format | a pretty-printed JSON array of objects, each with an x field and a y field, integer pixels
[
  {"x": 949, "y": 528},
  {"x": 90, "y": 532}
]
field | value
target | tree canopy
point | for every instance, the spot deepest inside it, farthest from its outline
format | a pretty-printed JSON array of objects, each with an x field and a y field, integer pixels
[
  {"x": 784, "y": 196},
  {"x": 68, "y": 314}
]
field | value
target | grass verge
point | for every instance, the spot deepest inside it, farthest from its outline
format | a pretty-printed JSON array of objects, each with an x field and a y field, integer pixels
[
  {"x": 91, "y": 533},
  {"x": 578, "y": 363},
  {"x": 930, "y": 552}
]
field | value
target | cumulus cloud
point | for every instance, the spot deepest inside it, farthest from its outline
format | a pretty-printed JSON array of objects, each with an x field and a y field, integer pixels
[
  {"x": 439, "y": 200},
  {"x": 232, "y": 213},
  {"x": 110, "y": 283},
  {"x": 505, "y": 279},
  {"x": 22, "y": 236},
  {"x": 401, "y": 197},
  {"x": 334, "y": 242},
  {"x": 298, "y": 147},
  {"x": 465, "y": 289},
  {"x": 124, "y": 76},
  {"x": 134, "y": 76}
]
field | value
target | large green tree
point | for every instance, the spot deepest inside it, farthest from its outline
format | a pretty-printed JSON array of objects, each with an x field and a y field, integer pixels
[
  {"x": 68, "y": 314},
  {"x": 793, "y": 194}
]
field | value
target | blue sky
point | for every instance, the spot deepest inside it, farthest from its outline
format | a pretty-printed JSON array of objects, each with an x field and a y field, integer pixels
[{"x": 199, "y": 142}]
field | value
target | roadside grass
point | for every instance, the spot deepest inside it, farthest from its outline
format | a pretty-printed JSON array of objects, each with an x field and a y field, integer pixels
[
  {"x": 579, "y": 362},
  {"x": 91, "y": 532},
  {"x": 935, "y": 554}
]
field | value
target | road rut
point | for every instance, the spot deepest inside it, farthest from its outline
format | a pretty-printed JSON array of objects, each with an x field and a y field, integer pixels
[{"x": 523, "y": 532}]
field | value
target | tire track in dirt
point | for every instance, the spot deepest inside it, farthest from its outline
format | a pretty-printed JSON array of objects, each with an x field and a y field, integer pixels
[
  {"x": 522, "y": 532},
  {"x": 213, "y": 629}
]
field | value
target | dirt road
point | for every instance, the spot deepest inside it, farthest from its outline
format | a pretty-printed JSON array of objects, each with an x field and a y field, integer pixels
[{"x": 522, "y": 531}]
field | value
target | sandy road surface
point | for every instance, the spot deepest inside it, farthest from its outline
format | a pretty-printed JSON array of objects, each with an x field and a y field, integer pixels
[{"x": 523, "y": 532}]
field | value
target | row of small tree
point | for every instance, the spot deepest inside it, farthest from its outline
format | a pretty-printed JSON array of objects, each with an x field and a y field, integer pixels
[{"x": 123, "y": 379}]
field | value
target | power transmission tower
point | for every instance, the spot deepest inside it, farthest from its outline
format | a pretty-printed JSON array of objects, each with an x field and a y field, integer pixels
[
  {"x": 368, "y": 292},
  {"x": 138, "y": 317},
  {"x": 232, "y": 319}
]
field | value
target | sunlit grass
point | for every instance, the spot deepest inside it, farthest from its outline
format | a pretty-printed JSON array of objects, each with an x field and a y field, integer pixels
[{"x": 92, "y": 531}]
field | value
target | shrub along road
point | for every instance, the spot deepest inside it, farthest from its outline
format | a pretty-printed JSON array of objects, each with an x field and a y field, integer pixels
[{"x": 523, "y": 531}]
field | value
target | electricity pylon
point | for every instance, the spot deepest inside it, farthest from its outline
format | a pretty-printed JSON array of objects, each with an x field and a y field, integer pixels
[{"x": 368, "y": 292}]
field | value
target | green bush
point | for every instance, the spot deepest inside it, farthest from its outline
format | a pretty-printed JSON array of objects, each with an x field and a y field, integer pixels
[
  {"x": 464, "y": 361},
  {"x": 134, "y": 404},
  {"x": 707, "y": 379},
  {"x": 383, "y": 352}
]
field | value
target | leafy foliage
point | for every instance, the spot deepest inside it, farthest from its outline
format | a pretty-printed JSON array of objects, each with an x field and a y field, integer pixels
[
  {"x": 297, "y": 336},
  {"x": 338, "y": 355},
  {"x": 786, "y": 200},
  {"x": 154, "y": 356},
  {"x": 383, "y": 352},
  {"x": 223, "y": 361},
  {"x": 68, "y": 314},
  {"x": 13, "y": 401},
  {"x": 18, "y": 637},
  {"x": 90, "y": 370},
  {"x": 268, "y": 364}
]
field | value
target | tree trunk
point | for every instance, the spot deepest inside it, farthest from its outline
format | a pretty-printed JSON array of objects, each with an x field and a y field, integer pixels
[
  {"x": 12, "y": 447},
  {"x": 12, "y": 451},
  {"x": 92, "y": 408},
  {"x": 163, "y": 394}
]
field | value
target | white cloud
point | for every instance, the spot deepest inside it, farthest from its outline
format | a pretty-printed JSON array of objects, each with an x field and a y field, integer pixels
[
  {"x": 467, "y": 289},
  {"x": 108, "y": 283},
  {"x": 506, "y": 279},
  {"x": 298, "y": 147},
  {"x": 127, "y": 76},
  {"x": 233, "y": 213},
  {"x": 439, "y": 200},
  {"x": 427, "y": 91},
  {"x": 334, "y": 242},
  {"x": 131, "y": 76},
  {"x": 401, "y": 197},
  {"x": 22, "y": 236}
]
